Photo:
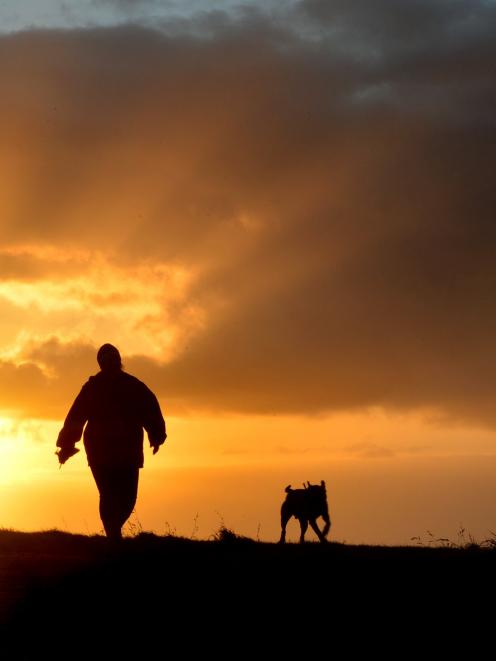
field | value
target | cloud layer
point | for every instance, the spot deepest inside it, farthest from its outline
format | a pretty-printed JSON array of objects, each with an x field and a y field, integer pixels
[{"x": 321, "y": 176}]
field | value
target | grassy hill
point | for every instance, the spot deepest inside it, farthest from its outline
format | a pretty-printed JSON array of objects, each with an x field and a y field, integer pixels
[{"x": 71, "y": 596}]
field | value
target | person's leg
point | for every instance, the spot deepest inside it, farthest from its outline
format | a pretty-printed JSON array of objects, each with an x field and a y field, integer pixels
[
  {"x": 118, "y": 487},
  {"x": 126, "y": 484},
  {"x": 106, "y": 483}
]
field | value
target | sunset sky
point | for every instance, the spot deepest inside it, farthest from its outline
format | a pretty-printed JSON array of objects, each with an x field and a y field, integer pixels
[{"x": 282, "y": 213}]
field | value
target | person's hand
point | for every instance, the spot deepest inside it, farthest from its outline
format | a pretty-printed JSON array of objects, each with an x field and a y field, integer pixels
[
  {"x": 66, "y": 453},
  {"x": 156, "y": 448}
]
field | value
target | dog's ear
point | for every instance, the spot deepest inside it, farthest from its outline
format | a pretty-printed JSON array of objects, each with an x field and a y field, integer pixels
[
  {"x": 322, "y": 484},
  {"x": 288, "y": 488}
]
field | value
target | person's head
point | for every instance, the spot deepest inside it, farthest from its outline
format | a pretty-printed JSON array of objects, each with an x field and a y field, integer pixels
[{"x": 109, "y": 358}]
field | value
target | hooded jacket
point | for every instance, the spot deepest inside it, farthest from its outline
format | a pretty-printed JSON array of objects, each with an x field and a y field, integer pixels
[{"x": 115, "y": 407}]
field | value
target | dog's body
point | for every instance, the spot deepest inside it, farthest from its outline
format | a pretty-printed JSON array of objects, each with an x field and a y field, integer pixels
[{"x": 306, "y": 505}]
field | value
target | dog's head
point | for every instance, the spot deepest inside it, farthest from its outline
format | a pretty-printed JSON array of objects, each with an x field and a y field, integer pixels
[
  {"x": 316, "y": 494},
  {"x": 316, "y": 489}
]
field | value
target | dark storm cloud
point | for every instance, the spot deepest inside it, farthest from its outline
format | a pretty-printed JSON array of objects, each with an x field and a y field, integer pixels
[{"x": 328, "y": 170}]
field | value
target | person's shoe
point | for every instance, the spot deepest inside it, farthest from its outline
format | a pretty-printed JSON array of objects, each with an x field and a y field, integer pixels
[{"x": 114, "y": 535}]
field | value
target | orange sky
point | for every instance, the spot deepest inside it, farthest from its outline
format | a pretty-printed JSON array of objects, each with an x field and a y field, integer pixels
[{"x": 284, "y": 220}]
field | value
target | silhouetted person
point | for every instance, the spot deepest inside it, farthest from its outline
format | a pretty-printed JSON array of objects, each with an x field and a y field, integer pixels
[{"x": 115, "y": 407}]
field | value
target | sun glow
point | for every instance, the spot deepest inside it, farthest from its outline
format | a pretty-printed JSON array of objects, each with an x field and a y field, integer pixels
[{"x": 17, "y": 449}]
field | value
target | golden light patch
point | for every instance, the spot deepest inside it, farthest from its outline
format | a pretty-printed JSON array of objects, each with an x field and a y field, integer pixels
[{"x": 142, "y": 308}]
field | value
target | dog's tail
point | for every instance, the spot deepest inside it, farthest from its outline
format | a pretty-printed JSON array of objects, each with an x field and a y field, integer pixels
[{"x": 288, "y": 489}]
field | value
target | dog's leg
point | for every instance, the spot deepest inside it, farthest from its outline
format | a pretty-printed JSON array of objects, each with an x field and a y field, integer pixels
[
  {"x": 316, "y": 529},
  {"x": 285, "y": 516},
  {"x": 327, "y": 522},
  {"x": 303, "y": 526}
]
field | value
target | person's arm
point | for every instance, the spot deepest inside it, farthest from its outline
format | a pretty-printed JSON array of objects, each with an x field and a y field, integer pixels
[
  {"x": 154, "y": 422},
  {"x": 74, "y": 423}
]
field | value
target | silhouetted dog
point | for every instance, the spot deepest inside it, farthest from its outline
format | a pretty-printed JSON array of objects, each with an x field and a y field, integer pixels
[{"x": 306, "y": 505}]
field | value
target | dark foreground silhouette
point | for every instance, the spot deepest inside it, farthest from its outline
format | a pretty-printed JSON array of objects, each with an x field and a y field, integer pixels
[{"x": 70, "y": 596}]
